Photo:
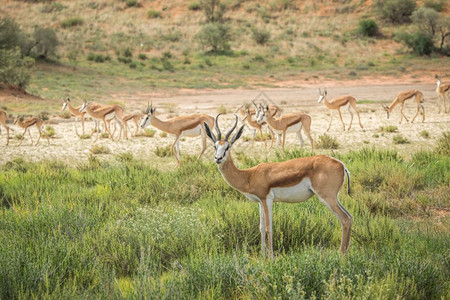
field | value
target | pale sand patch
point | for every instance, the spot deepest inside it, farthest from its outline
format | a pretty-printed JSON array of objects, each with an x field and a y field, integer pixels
[{"x": 67, "y": 147}]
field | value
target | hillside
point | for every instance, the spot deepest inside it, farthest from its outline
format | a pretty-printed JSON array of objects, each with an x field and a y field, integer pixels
[{"x": 154, "y": 46}]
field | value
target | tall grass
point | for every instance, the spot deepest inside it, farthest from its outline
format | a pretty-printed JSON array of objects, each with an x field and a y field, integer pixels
[{"x": 124, "y": 229}]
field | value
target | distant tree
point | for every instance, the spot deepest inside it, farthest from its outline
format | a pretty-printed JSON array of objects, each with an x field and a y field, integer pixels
[
  {"x": 395, "y": 11},
  {"x": 368, "y": 27},
  {"x": 9, "y": 34},
  {"x": 214, "y": 37},
  {"x": 432, "y": 23},
  {"x": 46, "y": 42},
  {"x": 213, "y": 10},
  {"x": 15, "y": 69}
]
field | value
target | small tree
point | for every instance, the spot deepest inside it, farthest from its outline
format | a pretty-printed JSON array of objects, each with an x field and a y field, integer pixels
[
  {"x": 395, "y": 11},
  {"x": 46, "y": 42},
  {"x": 214, "y": 37},
  {"x": 432, "y": 23},
  {"x": 14, "y": 69},
  {"x": 213, "y": 10},
  {"x": 368, "y": 27}
]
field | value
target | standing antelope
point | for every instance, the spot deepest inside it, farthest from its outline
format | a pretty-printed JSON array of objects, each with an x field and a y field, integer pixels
[
  {"x": 294, "y": 122},
  {"x": 336, "y": 104},
  {"x": 401, "y": 98},
  {"x": 3, "y": 118},
  {"x": 136, "y": 118},
  {"x": 105, "y": 114},
  {"x": 248, "y": 114},
  {"x": 291, "y": 181},
  {"x": 189, "y": 125},
  {"x": 442, "y": 89},
  {"x": 27, "y": 123},
  {"x": 77, "y": 113}
]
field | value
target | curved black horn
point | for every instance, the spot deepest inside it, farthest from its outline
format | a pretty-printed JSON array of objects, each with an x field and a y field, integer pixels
[
  {"x": 232, "y": 129},
  {"x": 147, "y": 110},
  {"x": 219, "y": 134}
]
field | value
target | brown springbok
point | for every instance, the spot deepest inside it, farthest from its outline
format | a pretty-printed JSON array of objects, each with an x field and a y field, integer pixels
[
  {"x": 290, "y": 123},
  {"x": 336, "y": 104},
  {"x": 135, "y": 118},
  {"x": 106, "y": 114},
  {"x": 189, "y": 125},
  {"x": 27, "y": 123},
  {"x": 291, "y": 181},
  {"x": 442, "y": 89},
  {"x": 3, "y": 118},
  {"x": 76, "y": 112},
  {"x": 401, "y": 98}
]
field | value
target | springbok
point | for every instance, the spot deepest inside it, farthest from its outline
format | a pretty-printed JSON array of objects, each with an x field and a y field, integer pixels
[
  {"x": 291, "y": 181},
  {"x": 401, "y": 98},
  {"x": 188, "y": 125},
  {"x": 27, "y": 123}
]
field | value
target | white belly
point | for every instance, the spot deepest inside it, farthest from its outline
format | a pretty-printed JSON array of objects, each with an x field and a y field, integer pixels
[
  {"x": 297, "y": 193},
  {"x": 110, "y": 116},
  {"x": 192, "y": 132},
  {"x": 294, "y": 128},
  {"x": 252, "y": 197}
]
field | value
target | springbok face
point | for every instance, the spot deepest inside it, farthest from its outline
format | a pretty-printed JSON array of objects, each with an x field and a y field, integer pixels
[
  {"x": 65, "y": 103},
  {"x": 18, "y": 118},
  {"x": 261, "y": 114},
  {"x": 322, "y": 95},
  {"x": 438, "y": 79},
  {"x": 148, "y": 116},
  {"x": 83, "y": 106},
  {"x": 223, "y": 146}
]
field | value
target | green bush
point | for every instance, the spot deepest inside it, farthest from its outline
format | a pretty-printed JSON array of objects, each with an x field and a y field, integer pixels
[
  {"x": 213, "y": 10},
  {"x": 45, "y": 43},
  {"x": 153, "y": 14},
  {"x": 132, "y": 3},
  {"x": 195, "y": 6},
  {"x": 163, "y": 151},
  {"x": 327, "y": 142},
  {"x": 100, "y": 149},
  {"x": 15, "y": 69},
  {"x": 71, "y": 22},
  {"x": 395, "y": 11},
  {"x": 400, "y": 139},
  {"x": 260, "y": 35},
  {"x": 214, "y": 37},
  {"x": 437, "y": 5},
  {"x": 420, "y": 43},
  {"x": 368, "y": 27},
  {"x": 443, "y": 144}
]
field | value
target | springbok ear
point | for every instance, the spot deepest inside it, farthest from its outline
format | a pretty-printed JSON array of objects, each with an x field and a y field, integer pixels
[
  {"x": 237, "y": 135},
  {"x": 325, "y": 92},
  {"x": 209, "y": 133}
]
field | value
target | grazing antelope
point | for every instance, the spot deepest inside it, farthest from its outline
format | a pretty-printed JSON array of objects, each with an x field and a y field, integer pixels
[
  {"x": 291, "y": 181},
  {"x": 136, "y": 118},
  {"x": 336, "y": 104},
  {"x": 401, "y": 98},
  {"x": 294, "y": 123},
  {"x": 189, "y": 125},
  {"x": 442, "y": 89},
  {"x": 3, "y": 118},
  {"x": 106, "y": 114},
  {"x": 27, "y": 123},
  {"x": 76, "y": 112}
]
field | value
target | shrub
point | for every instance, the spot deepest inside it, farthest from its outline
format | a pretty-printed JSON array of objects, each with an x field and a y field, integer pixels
[
  {"x": 437, "y": 5},
  {"x": 327, "y": 142},
  {"x": 163, "y": 134},
  {"x": 425, "y": 134},
  {"x": 52, "y": 7},
  {"x": 45, "y": 44},
  {"x": 15, "y": 69},
  {"x": 163, "y": 151},
  {"x": 125, "y": 157},
  {"x": 260, "y": 35},
  {"x": 43, "y": 115},
  {"x": 389, "y": 128},
  {"x": 400, "y": 139},
  {"x": 127, "y": 52},
  {"x": 132, "y": 3},
  {"x": 368, "y": 27},
  {"x": 195, "y": 6},
  {"x": 153, "y": 14},
  {"x": 99, "y": 149},
  {"x": 420, "y": 43},
  {"x": 222, "y": 109},
  {"x": 142, "y": 56},
  {"x": 149, "y": 132},
  {"x": 395, "y": 11},
  {"x": 213, "y": 10},
  {"x": 443, "y": 144},
  {"x": 214, "y": 37},
  {"x": 71, "y": 22},
  {"x": 49, "y": 131}
]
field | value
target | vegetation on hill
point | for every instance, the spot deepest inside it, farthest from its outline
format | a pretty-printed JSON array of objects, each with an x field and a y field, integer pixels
[{"x": 228, "y": 40}]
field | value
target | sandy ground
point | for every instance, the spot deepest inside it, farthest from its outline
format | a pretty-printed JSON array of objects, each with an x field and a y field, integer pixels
[{"x": 66, "y": 146}]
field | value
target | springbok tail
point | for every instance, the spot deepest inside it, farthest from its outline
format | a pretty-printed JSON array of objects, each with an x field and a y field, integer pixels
[{"x": 348, "y": 181}]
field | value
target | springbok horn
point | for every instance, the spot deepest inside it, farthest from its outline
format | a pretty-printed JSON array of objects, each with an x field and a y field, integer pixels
[
  {"x": 219, "y": 134},
  {"x": 232, "y": 129}
]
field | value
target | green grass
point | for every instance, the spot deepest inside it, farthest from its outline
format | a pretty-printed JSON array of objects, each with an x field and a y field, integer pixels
[{"x": 124, "y": 229}]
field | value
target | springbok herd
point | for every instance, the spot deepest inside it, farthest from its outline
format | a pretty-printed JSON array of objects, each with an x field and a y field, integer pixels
[{"x": 291, "y": 181}]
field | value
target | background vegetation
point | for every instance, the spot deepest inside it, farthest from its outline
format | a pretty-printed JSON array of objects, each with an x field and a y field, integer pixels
[
  {"x": 124, "y": 229},
  {"x": 152, "y": 44}
]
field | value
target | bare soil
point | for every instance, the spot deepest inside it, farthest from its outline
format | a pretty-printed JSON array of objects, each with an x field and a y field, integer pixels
[{"x": 67, "y": 147}]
